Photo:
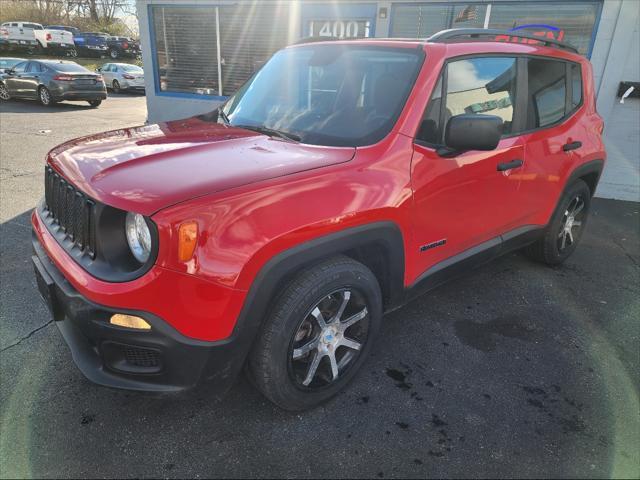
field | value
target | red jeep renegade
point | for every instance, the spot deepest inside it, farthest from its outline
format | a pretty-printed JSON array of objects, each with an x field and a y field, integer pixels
[{"x": 343, "y": 178}]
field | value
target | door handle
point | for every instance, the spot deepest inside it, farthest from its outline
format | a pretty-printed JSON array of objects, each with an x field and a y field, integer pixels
[
  {"x": 502, "y": 167},
  {"x": 571, "y": 146}
]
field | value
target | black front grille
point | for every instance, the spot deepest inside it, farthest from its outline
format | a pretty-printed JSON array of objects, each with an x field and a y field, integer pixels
[
  {"x": 141, "y": 357},
  {"x": 71, "y": 210}
]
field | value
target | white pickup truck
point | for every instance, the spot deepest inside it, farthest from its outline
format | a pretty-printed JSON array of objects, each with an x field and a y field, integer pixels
[{"x": 33, "y": 36}]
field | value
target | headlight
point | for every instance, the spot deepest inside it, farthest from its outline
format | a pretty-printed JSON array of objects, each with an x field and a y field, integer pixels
[{"x": 138, "y": 236}]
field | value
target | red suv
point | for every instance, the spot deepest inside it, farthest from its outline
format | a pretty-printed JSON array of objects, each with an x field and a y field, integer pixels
[{"x": 342, "y": 179}]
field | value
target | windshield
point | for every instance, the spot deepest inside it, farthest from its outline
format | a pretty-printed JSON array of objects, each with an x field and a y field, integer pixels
[{"x": 334, "y": 95}]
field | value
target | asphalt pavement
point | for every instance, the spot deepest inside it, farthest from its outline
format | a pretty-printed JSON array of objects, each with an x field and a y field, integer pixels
[{"x": 513, "y": 370}]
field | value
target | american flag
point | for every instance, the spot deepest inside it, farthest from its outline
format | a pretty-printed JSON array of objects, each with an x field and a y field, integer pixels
[{"x": 467, "y": 13}]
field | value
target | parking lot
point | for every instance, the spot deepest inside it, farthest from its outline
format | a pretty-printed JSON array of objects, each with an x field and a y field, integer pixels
[{"x": 515, "y": 369}]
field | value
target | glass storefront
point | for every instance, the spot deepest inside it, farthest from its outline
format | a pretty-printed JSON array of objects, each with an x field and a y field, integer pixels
[
  {"x": 570, "y": 21},
  {"x": 210, "y": 50}
]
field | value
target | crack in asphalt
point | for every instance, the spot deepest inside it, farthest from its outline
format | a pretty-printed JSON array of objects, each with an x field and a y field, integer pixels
[
  {"x": 624, "y": 250},
  {"x": 32, "y": 332}
]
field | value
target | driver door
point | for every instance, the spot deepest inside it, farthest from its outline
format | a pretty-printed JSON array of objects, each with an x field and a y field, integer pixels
[{"x": 467, "y": 200}]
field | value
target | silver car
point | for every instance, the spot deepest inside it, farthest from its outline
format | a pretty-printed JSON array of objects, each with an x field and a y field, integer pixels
[{"x": 122, "y": 76}]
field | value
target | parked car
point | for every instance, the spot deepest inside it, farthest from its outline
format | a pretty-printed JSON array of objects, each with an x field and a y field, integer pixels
[
  {"x": 51, "y": 81},
  {"x": 92, "y": 44},
  {"x": 123, "y": 47},
  {"x": 340, "y": 181},
  {"x": 34, "y": 37},
  {"x": 72, "y": 51},
  {"x": 6, "y": 63},
  {"x": 122, "y": 76}
]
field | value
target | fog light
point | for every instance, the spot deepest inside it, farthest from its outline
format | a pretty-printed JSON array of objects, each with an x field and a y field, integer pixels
[{"x": 129, "y": 321}]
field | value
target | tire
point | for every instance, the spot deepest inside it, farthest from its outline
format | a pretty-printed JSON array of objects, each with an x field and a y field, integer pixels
[
  {"x": 44, "y": 96},
  {"x": 4, "y": 93},
  {"x": 114, "y": 54},
  {"x": 563, "y": 233},
  {"x": 115, "y": 86},
  {"x": 73, "y": 53},
  {"x": 95, "y": 103},
  {"x": 293, "y": 329}
]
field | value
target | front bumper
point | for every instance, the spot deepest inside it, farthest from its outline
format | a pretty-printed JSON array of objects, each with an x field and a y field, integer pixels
[{"x": 156, "y": 360}]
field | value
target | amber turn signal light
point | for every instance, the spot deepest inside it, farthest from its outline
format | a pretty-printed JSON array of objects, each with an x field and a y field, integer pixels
[
  {"x": 129, "y": 321},
  {"x": 187, "y": 240}
]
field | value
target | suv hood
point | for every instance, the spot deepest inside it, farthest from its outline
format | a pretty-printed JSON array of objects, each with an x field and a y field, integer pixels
[{"x": 148, "y": 168}]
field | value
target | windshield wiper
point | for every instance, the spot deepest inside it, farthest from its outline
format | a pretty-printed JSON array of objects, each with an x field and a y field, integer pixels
[
  {"x": 223, "y": 116},
  {"x": 291, "y": 137}
]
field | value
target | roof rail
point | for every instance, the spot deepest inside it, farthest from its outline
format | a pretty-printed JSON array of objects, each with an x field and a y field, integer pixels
[{"x": 445, "y": 36}]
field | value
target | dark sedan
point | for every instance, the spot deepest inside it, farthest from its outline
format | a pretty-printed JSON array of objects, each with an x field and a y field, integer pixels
[{"x": 51, "y": 81}]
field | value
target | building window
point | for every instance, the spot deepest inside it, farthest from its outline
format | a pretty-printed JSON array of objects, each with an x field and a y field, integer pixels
[
  {"x": 574, "y": 20},
  {"x": 186, "y": 45},
  {"x": 423, "y": 20},
  {"x": 186, "y": 49}
]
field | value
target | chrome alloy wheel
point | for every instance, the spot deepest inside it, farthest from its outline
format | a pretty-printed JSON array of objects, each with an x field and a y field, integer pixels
[
  {"x": 4, "y": 93},
  {"x": 571, "y": 225},
  {"x": 45, "y": 96},
  {"x": 329, "y": 339}
]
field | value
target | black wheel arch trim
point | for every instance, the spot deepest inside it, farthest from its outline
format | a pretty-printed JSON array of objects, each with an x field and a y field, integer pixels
[
  {"x": 591, "y": 167},
  {"x": 264, "y": 287}
]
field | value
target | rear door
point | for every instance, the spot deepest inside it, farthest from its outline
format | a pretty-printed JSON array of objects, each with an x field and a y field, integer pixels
[
  {"x": 464, "y": 201},
  {"x": 554, "y": 134},
  {"x": 31, "y": 79}
]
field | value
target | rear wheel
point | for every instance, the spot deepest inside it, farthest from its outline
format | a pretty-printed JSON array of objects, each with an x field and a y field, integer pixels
[
  {"x": 45, "y": 96},
  {"x": 4, "y": 93},
  {"x": 113, "y": 53},
  {"x": 73, "y": 53},
  {"x": 318, "y": 334},
  {"x": 115, "y": 86},
  {"x": 95, "y": 103},
  {"x": 565, "y": 229}
]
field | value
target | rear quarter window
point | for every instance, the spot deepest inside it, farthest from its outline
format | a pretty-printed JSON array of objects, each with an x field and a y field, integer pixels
[{"x": 576, "y": 85}]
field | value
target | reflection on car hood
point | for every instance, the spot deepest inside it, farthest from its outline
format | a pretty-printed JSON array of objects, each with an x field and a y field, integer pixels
[{"x": 147, "y": 168}]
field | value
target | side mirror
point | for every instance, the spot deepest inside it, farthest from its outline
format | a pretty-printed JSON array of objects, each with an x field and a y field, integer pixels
[
  {"x": 472, "y": 132},
  {"x": 11, "y": 71},
  {"x": 99, "y": 69}
]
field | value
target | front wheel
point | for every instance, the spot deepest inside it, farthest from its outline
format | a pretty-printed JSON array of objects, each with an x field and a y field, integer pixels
[
  {"x": 318, "y": 334},
  {"x": 4, "y": 93},
  {"x": 113, "y": 53},
  {"x": 565, "y": 229},
  {"x": 95, "y": 103},
  {"x": 115, "y": 86}
]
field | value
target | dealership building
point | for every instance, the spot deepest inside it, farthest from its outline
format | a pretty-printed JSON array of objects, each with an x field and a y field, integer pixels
[{"x": 198, "y": 52}]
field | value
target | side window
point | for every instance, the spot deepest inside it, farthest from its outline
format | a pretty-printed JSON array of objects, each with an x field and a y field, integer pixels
[
  {"x": 31, "y": 67},
  {"x": 479, "y": 86},
  {"x": 19, "y": 68},
  {"x": 547, "y": 92},
  {"x": 576, "y": 85}
]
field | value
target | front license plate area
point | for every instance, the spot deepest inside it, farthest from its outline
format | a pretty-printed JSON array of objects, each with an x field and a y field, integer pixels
[{"x": 47, "y": 289}]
